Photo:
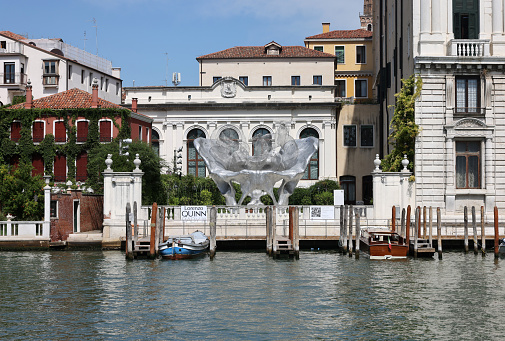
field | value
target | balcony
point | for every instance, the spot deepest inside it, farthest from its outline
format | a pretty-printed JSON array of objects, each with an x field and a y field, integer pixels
[
  {"x": 469, "y": 48},
  {"x": 13, "y": 48},
  {"x": 13, "y": 78}
]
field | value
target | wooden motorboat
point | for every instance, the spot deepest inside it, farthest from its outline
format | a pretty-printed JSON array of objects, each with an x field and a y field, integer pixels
[
  {"x": 383, "y": 244},
  {"x": 188, "y": 246}
]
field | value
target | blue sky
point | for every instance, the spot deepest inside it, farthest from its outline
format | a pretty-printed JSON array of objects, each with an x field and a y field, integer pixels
[{"x": 136, "y": 34}]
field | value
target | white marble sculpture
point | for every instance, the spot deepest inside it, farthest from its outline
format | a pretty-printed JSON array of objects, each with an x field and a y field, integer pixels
[{"x": 277, "y": 158}]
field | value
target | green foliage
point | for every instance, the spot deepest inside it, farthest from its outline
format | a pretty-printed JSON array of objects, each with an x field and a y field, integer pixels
[
  {"x": 205, "y": 197},
  {"x": 323, "y": 198},
  {"x": 21, "y": 194},
  {"x": 403, "y": 126},
  {"x": 18, "y": 99}
]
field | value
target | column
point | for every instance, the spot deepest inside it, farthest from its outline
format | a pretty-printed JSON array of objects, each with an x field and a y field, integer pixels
[
  {"x": 436, "y": 16},
  {"x": 497, "y": 17},
  {"x": 425, "y": 17}
]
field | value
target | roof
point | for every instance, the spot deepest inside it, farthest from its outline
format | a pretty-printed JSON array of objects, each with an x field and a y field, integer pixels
[
  {"x": 239, "y": 52},
  {"x": 11, "y": 35},
  {"x": 343, "y": 34},
  {"x": 73, "y": 99}
]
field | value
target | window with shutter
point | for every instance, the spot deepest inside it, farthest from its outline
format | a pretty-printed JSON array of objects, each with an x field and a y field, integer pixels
[
  {"x": 466, "y": 19},
  {"x": 60, "y": 133},
  {"x": 82, "y": 131},
  {"x": 38, "y": 165},
  {"x": 15, "y": 131},
  {"x": 105, "y": 131},
  {"x": 81, "y": 172},
  {"x": 38, "y": 131},
  {"x": 60, "y": 168}
]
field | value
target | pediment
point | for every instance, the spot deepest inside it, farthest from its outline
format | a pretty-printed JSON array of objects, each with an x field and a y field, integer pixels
[{"x": 469, "y": 123}]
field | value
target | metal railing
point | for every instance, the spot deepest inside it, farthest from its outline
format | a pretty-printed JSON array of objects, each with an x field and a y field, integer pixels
[{"x": 13, "y": 78}]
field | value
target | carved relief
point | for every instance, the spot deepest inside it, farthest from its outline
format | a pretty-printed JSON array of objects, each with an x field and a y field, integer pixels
[
  {"x": 470, "y": 123},
  {"x": 228, "y": 88}
]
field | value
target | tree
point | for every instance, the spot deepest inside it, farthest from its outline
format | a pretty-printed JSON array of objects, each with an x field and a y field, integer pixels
[
  {"x": 21, "y": 195},
  {"x": 403, "y": 126}
]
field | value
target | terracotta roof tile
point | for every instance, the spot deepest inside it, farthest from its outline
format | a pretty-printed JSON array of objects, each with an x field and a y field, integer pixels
[
  {"x": 343, "y": 34},
  {"x": 259, "y": 52},
  {"x": 12, "y": 35}
]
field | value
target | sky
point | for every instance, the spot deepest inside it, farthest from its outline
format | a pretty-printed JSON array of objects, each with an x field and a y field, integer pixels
[{"x": 151, "y": 39}]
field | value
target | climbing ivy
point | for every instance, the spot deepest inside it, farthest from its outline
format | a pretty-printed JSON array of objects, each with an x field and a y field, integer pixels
[{"x": 403, "y": 126}]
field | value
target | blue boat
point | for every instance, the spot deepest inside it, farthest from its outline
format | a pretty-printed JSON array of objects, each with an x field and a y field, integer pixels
[{"x": 188, "y": 246}]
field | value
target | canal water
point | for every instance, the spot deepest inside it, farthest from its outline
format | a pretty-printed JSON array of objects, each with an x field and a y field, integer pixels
[{"x": 67, "y": 295}]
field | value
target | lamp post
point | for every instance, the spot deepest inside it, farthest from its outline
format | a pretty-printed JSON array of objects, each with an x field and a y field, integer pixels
[{"x": 178, "y": 161}]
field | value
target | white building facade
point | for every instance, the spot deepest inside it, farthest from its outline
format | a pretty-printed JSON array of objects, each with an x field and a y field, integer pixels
[
  {"x": 457, "y": 47},
  {"x": 52, "y": 66},
  {"x": 243, "y": 113}
]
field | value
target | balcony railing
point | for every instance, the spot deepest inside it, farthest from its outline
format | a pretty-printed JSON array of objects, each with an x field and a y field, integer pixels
[
  {"x": 13, "y": 78},
  {"x": 460, "y": 111},
  {"x": 12, "y": 48},
  {"x": 469, "y": 48}
]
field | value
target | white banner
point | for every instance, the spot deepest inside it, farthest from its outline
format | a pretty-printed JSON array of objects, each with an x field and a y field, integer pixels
[
  {"x": 194, "y": 213},
  {"x": 322, "y": 212}
]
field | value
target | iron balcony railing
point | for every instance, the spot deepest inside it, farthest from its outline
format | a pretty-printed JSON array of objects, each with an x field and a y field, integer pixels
[{"x": 13, "y": 78}]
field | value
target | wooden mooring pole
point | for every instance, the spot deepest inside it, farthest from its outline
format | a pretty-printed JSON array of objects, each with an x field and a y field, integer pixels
[
  {"x": 465, "y": 230},
  {"x": 424, "y": 222},
  {"x": 135, "y": 227},
  {"x": 417, "y": 229},
  {"x": 212, "y": 227},
  {"x": 296, "y": 232},
  {"x": 129, "y": 250},
  {"x": 356, "y": 237},
  {"x": 439, "y": 234},
  {"x": 350, "y": 230},
  {"x": 407, "y": 226},
  {"x": 152, "y": 241},
  {"x": 474, "y": 227},
  {"x": 482, "y": 232},
  {"x": 496, "y": 234},
  {"x": 341, "y": 234},
  {"x": 431, "y": 227},
  {"x": 393, "y": 219},
  {"x": 344, "y": 241},
  {"x": 402, "y": 228},
  {"x": 268, "y": 216}
]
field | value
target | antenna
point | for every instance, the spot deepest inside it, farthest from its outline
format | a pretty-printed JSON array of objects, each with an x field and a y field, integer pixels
[
  {"x": 166, "y": 70},
  {"x": 96, "y": 33},
  {"x": 176, "y": 78},
  {"x": 85, "y": 40}
]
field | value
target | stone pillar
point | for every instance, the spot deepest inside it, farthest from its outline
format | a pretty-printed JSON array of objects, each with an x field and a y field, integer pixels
[
  {"x": 436, "y": 16},
  {"x": 47, "y": 199},
  {"x": 425, "y": 18},
  {"x": 497, "y": 17}
]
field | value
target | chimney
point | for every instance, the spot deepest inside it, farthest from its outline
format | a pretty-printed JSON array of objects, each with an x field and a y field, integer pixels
[
  {"x": 94, "y": 94},
  {"x": 326, "y": 27},
  {"x": 134, "y": 104},
  {"x": 29, "y": 96}
]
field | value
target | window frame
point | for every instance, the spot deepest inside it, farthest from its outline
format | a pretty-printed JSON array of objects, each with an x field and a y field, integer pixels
[
  {"x": 9, "y": 77},
  {"x": 337, "y": 56},
  {"x": 254, "y": 137},
  {"x": 361, "y": 127},
  {"x": 58, "y": 138},
  {"x": 307, "y": 175},
  {"x": 244, "y": 79},
  {"x": 267, "y": 80},
  {"x": 358, "y": 47},
  {"x": 104, "y": 138},
  {"x": 50, "y": 76},
  {"x": 319, "y": 48},
  {"x": 78, "y": 137},
  {"x": 354, "y": 127},
  {"x": 467, "y": 155},
  {"x": 38, "y": 139},
  {"x": 466, "y": 109},
  {"x": 317, "y": 80},
  {"x": 15, "y": 137},
  {"x": 356, "y": 81},
  {"x": 348, "y": 183},
  {"x": 338, "y": 87},
  {"x": 198, "y": 159},
  {"x": 295, "y": 80},
  {"x": 216, "y": 79}
]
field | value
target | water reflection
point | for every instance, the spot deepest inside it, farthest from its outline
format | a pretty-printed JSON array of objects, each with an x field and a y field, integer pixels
[{"x": 247, "y": 295}]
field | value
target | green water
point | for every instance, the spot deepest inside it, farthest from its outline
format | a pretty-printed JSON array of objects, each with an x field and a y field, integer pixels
[{"x": 248, "y": 296}]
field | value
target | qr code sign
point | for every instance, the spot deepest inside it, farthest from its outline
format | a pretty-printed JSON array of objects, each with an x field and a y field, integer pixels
[{"x": 315, "y": 212}]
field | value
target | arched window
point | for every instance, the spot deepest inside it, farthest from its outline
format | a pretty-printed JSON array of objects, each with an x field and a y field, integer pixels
[
  {"x": 261, "y": 141},
  {"x": 312, "y": 170},
  {"x": 196, "y": 165},
  {"x": 348, "y": 184},
  {"x": 229, "y": 134},
  {"x": 155, "y": 142}
]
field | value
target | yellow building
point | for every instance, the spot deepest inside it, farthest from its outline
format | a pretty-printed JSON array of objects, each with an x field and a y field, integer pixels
[{"x": 355, "y": 63}]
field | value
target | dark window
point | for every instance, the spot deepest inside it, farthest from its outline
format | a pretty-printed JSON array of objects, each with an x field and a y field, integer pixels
[
  {"x": 9, "y": 73},
  {"x": 60, "y": 133},
  {"x": 466, "y": 19},
  {"x": 54, "y": 209},
  {"x": 81, "y": 165},
  {"x": 367, "y": 189},
  {"x": 360, "y": 88},
  {"x": 366, "y": 135},
  {"x": 70, "y": 72},
  {"x": 215, "y": 79},
  {"x": 350, "y": 135},
  {"x": 82, "y": 131},
  {"x": 82, "y": 76},
  {"x": 101, "y": 83},
  {"x": 318, "y": 48},
  {"x": 155, "y": 142},
  {"x": 348, "y": 184},
  {"x": 15, "y": 131},
  {"x": 90, "y": 78},
  {"x": 295, "y": 80},
  {"x": 340, "y": 53},
  {"x": 37, "y": 164},
  {"x": 105, "y": 131},
  {"x": 261, "y": 141},
  {"x": 468, "y": 164},
  {"x": 267, "y": 80},
  {"x": 467, "y": 94},
  {"x": 3, "y": 44},
  {"x": 317, "y": 80},
  {"x": 38, "y": 131},
  {"x": 244, "y": 79},
  {"x": 340, "y": 91},
  {"x": 312, "y": 170},
  {"x": 196, "y": 165},
  {"x": 60, "y": 168},
  {"x": 360, "y": 55}
]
